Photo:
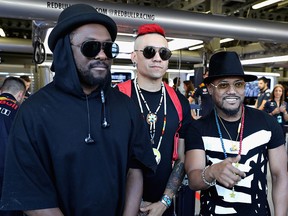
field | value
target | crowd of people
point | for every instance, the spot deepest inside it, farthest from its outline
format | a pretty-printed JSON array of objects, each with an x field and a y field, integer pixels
[{"x": 79, "y": 146}]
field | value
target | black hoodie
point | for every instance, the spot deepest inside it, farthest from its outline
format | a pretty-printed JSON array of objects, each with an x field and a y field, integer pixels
[{"x": 50, "y": 165}]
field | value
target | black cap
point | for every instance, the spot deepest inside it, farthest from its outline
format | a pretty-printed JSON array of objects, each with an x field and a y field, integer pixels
[
  {"x": 76, "y": 16},
  {"x": 226, "y": 64}
]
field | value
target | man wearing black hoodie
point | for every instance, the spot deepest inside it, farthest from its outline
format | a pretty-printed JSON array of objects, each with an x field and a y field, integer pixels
[{"x": 75, "y": 141}]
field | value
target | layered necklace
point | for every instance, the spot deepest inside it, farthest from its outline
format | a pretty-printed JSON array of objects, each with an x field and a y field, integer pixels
[
  {"x": 151, "y": 117},
  {"x": 233, "y": 147}
]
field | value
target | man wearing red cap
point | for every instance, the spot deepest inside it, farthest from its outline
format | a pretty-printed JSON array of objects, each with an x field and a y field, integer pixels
[{"x": 157, "y": 105}]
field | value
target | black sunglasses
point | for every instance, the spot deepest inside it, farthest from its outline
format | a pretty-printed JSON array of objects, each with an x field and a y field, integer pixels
[
  {"x": 150, "y": 51},
  {"x": 91, "y": 48}
]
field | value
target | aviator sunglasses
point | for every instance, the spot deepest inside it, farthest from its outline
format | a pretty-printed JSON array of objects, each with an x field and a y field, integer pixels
[
  {"x": 238, "y": 85},
  {"x": 91, "y": 48},
  {"x": 150, "y": 51}
]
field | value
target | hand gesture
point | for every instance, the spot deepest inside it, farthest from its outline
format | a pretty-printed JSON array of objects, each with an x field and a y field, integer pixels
[
  {"x": 227, "y": 173},
  {"x": 282, "y": 108}
]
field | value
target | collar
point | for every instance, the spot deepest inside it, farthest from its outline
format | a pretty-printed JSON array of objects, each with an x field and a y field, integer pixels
[{"x": 7, "y": 96}]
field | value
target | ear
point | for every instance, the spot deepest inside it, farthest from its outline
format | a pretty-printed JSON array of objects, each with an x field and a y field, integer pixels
[
  {"x": 20, "y": 96},
  {"x": 210, "y": 89},
  {"x": 134, "y": 58}
]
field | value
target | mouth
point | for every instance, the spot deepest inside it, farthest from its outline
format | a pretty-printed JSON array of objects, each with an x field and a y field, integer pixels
[
  {"x": 99, "y": 66},
  {"x": 231, "y": 100},
  {"x": 156, "y": 66}
]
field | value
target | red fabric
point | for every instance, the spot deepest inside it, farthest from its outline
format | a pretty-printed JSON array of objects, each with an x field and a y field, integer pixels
[{"x": 150, "y": 28}]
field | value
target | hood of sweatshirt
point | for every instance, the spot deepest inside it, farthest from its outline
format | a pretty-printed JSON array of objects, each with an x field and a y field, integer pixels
[{"x": 66, "y": 74}]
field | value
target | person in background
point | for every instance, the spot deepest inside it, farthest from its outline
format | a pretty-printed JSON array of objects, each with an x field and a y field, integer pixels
[
  {"x": 164, "y": 79},
  {"x": 264, "y": 93},
  {"x": 11, "y": 96},
  {"x": 156, "y": 101},
  {"x": 27, "y": 82},
  {"x": 203, "y": 98},
  {"x": 74, "y": 142},
  {"x": 277, "y": 107},
  {"x": 189, "y": 90},
  {"x": 227, "y": 152},
  {"x": 176, "y": 83}
]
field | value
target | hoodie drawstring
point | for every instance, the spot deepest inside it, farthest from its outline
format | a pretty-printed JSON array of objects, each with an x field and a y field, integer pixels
[
  {"x": 88, "y": 139},
  {"x": 104, "y": 123}
]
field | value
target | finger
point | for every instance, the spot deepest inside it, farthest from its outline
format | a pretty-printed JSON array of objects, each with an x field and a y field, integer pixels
[
  {"x": 236, "y": 159},
  {"x": 229, "y": 182},
  {"x": 239, "y": 173},
  {"x": 145, "y": 208},
  {"x": 233, "y": 159}
]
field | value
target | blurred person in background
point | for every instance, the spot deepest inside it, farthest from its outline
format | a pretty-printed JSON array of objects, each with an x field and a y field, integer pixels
[
  {"x": 189, "y": 90},
  {"x": 27, "y": 82},
  {"x": 189, "y": 93},
  {"x": 203, "y": 98},
  {"x": 277, "y": 107},
  {"x": 264, "y": 94},
  {"x": 166, "y": 80},
  {"x": 176, "y": 83},
  {"x": 11, "y": 96}
]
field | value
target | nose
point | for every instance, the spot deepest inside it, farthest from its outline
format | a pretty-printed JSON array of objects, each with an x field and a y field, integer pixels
[
  {"x": 231, "y": 88},
  {"x": 157, "y": 56},
  {"x": 101, "y": 55}
]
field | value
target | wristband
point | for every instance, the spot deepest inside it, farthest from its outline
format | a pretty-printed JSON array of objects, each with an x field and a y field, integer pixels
[
  {"x": 166, "y": 200},
  {"x": 210, "y": 184}
]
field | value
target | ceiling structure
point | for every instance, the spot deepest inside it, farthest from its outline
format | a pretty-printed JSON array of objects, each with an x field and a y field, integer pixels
[{"x": 16, "y": 29}]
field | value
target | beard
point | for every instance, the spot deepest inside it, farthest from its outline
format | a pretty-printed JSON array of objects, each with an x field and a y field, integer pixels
[
  {"x": 230, "y": 111},
  {"x": 89, "y": 79}
]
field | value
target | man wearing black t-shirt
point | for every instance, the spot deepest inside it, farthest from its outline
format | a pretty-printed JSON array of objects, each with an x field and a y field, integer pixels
[
  {"x": 151, "y": 55},
  {"x": 264, "y": 94},
  {"x": 227, "y": 152}
]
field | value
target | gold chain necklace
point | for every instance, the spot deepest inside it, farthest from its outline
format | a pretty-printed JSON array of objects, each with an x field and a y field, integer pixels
[{"x": 233, "y": 144}]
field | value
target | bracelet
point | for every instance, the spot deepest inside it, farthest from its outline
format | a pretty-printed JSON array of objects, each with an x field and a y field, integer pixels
[
  {"x": 210, "y": 184},
  {"x": 166, "y": 200}
]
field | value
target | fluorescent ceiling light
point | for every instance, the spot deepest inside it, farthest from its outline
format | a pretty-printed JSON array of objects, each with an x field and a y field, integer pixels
[
  {"x": 125, "y": 34},
  {"x": 179, "y": 43},
  {"x": 225, "y": 40},
  {"x": 264, "y": 4},
  {"x": 179, "y": 71},
  {"x": 2, "y": 33},
  {"x": 265, "y": 60},
  {"x": 201, "y": 45},
  {"x": 196, "y": 47}
]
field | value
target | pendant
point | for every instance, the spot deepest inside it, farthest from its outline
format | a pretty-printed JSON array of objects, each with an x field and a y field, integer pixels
[
  {"x": 234, "y": 147},
  {"x": 236, "y": 164},
  {"x": 151, "y": 118},
  {"x": 232, "y": 194},
  {"x": 157, "y": 155}
]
